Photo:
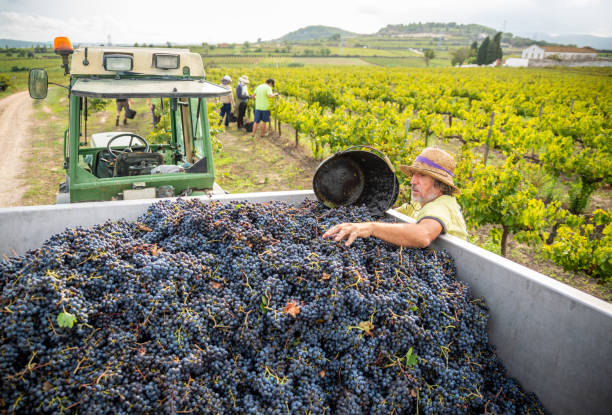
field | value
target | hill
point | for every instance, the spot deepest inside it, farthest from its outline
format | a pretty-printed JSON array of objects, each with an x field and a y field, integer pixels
[
  {"x": 315, "y": 33},
  {"x": 596, "y": 42},
  {"x": 441, "y": 36},
  {"x": 467, "y": 30},
  {"x": 13, "y": 43}
]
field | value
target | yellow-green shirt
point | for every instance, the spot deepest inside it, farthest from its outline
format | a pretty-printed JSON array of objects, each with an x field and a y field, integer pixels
[
  {"x": 262, "y": 102},
  {"x": 444, "y": 209}
]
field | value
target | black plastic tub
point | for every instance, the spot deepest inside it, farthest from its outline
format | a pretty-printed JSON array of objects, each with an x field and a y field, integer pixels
[{"x": 357, "y": 177}]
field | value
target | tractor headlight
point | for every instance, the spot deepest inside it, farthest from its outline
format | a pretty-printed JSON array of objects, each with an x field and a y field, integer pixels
[
  {"x": 165, "y": 61},
  {"x": 119, "y": 63}
]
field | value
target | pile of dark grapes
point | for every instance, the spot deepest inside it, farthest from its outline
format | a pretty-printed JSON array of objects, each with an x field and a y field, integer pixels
[{"x": 240, "y": 308}]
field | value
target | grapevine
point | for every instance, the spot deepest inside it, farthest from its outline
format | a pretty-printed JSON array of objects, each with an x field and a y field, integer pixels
[{"x": 558, "y": 122}]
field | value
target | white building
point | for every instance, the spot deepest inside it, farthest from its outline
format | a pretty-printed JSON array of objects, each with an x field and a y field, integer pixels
[
  {"x": 568, "y": 53},
  {"x": 516, "y": 62}
]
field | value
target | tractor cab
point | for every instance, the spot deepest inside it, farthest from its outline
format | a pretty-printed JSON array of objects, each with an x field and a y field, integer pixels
[{"x": 152, "y": 140}]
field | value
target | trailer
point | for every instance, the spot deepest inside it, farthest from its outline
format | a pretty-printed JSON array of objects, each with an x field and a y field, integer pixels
[{"x": 556, "y": 340}]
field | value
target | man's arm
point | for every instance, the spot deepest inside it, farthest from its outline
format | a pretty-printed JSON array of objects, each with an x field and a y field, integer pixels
[
  {"x": 415, "y": 235},
  {"x": 271, "y": 94}
]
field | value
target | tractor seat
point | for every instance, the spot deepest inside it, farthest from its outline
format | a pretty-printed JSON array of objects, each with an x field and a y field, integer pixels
[{"x": 137, "y": 163}]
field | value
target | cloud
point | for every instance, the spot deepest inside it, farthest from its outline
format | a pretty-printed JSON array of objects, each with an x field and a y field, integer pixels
[
  {"x": 154, "y": 22},
  {"x": 12, "y": 25}
]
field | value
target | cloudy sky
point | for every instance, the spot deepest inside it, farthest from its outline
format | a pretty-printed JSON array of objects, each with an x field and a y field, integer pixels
[{"x": 187, "y": 21}]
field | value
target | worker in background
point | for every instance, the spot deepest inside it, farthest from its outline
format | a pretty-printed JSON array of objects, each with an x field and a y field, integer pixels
[
  {"x": 262, "y": 96},
  {"x": 123, "y": 104},
  {"x": 155, "y": 117},
  {"x": 242, "y": 95},
  {"x": 432, "y": 205},
  {"x": 227, "y": 101}
]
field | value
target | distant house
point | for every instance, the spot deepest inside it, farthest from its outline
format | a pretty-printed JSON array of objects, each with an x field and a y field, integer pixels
[
  {"x": 568, "y": 53},
  {"x": 516, "y": 62}
]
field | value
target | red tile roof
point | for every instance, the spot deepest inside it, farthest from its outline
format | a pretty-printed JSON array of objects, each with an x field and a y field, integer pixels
[{"x": 567, "y": 49}]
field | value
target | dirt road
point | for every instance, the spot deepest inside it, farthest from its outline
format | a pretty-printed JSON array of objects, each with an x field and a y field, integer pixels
[{"x": 16, "y": 112}]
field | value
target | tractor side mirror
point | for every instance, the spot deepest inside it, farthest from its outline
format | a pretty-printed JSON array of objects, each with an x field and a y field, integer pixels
[{"x": 38, "y": 83}]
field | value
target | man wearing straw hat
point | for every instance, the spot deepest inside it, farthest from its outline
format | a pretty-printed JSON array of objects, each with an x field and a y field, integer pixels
[{"x": 433, "y": 206}]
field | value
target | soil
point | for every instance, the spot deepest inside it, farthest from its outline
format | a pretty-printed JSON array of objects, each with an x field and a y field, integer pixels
[
  {"x": 261, "y": 164},
  {"x": 16, "y": 112}
]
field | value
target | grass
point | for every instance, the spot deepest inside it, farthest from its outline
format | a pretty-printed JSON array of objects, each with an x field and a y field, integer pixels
[
  {"x": 334, "y": 61},
  {"x": 416, "y": 61},
  {"x": 50, "y": 62},
  {"x": 245, "y": 164},
  {"x": 44, "y": 160}
]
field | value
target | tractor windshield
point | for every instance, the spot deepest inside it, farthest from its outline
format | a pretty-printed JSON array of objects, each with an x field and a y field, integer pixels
[{"x": 156, "y": 132}]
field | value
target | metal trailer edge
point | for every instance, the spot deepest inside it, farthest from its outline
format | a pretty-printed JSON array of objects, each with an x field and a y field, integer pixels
[{"x": 555, "y": 340}]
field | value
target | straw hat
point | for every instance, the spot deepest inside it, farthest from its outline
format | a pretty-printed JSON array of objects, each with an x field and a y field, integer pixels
[
  {"x": 436, "y": 163},
  {"x": 226, "y": 79},
  {"x": 244, "y": 79}
]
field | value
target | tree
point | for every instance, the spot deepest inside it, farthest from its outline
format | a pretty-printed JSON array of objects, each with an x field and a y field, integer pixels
[
  {"x": 498, "y": 50},
  {"x": 491, "y": 53},
  {"x": 246, "y": 45},
  {"x": 428, "y": 54},
  {"x": 482, "y": 51},
  {"x": 5, "y": 82},
  {"x": 460, "y": 55}
]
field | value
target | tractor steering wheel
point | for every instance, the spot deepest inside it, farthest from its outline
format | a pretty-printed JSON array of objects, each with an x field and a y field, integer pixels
[{"x": 130, "y": 147}]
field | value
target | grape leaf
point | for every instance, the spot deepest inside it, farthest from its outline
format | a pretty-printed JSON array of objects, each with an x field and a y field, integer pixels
[
  {"x": 411, "y": 359},
  {"x": 66, "y": 319},
  {"x": 292, "y": 309}
]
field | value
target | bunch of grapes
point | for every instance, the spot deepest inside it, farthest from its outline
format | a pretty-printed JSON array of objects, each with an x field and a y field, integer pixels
[{"x": 242, "y": 308}]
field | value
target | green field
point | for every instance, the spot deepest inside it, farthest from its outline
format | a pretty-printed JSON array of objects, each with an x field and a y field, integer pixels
[
  {"x": 385, "y": 51},
  {"x": 16, "y": 69},
  {"x": 416, "y": 62}
]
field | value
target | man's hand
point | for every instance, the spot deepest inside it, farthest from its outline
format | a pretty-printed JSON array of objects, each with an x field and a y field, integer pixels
[{"x": 349, "y": 231}]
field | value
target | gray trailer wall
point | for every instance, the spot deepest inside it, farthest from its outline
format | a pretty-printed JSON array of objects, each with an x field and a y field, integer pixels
[{"x": 557, "y": 341}]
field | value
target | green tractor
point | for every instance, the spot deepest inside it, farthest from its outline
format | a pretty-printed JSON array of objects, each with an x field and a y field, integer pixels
[{"x": 119, "y": 164}]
